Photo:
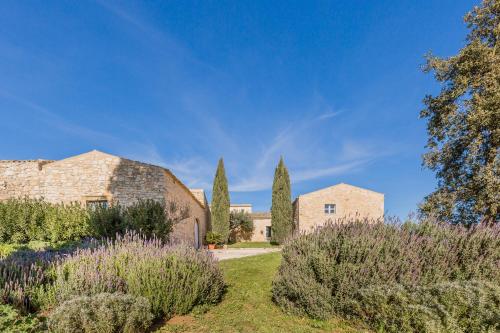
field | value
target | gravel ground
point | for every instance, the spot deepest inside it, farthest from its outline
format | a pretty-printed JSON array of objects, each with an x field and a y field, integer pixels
[{"x": 240, "y": 253}]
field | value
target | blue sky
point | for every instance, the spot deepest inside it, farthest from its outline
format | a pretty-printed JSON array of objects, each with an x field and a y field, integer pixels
[{"x": 333, "y": 86}]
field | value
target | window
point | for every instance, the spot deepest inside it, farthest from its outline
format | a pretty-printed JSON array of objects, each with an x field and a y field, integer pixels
[
  {"x": 330, "y": 208},
  {"x": 93, "y": 204},
  {"x": 268, "y": 232}
]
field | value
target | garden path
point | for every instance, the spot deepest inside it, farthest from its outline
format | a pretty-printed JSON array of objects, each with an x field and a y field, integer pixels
[{"x": 224, "y": 254}]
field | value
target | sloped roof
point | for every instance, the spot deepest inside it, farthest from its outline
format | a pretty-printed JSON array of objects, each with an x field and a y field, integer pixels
[
  {"x": 339, "y": 185},
  {"x": 260, "y": 215},
  {"x": 98, "y": 152}
]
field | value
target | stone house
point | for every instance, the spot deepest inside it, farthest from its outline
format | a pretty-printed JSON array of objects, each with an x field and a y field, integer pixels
[
  {"x": 99, "y": 178},
  {"x": 341, "y": 201},
  {"x": 261, "y": 222},
  {"x": 312, "y": 210}
]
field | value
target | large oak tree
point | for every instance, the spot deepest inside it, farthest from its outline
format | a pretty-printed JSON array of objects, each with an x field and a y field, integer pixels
[{"x": 463, "y": 124}]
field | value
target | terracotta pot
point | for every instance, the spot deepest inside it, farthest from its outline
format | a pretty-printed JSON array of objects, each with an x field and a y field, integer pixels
[{"x": 211, "y": 246}]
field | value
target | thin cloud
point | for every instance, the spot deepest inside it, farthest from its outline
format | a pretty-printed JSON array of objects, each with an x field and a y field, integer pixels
[
  {"x": 328, "y": 115},
  {"x": 55, "y": 120}
]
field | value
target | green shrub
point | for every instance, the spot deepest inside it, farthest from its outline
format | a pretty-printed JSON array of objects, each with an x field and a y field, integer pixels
[
  {"x": 22, "y": 220},
  {"x": 66, "y": 222},
  {"x": 321, "y": 272},
  {"x": 154, "y": 218},
  {"x": 214, "y": 238},
  {"x": 106, "y": 221},
  {"x": 102, "y": 313},
  {"x": 25, "y": 220},
  {"x": 240, "y": 226},
  {"x": 458, "y": 307},
  {"x": 11, "y": 321},
  {"x": 173, "y": 278}
]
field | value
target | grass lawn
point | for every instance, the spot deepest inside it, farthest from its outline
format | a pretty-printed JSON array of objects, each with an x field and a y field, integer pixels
[
  {"x": 250, "y": 245},
  {"x": 247, "y": 305}
]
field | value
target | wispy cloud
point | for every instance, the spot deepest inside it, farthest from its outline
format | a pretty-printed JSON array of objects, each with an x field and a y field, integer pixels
[
  {"x": 193, "y": 171},
  {"x": 328, "y": 115},
  {"x": 54, "y": 120}
]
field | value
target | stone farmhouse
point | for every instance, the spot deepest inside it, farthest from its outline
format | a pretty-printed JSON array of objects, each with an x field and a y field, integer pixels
[
  {"x": 99, "y": 178},
  {"x": 314, "y": 209},
  {"x": 338, "y": 202},
  {"x": 261, "y": 222}
]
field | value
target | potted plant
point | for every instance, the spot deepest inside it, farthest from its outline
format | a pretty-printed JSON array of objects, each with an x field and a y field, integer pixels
[{"x": 213, "y": 238}]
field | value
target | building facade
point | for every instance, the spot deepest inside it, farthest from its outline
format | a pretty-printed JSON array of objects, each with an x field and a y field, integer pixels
[
  {"x": 338, "y": 202},
  {"x": 261, "y": 222},
  {"x": 97, "y": 177}
]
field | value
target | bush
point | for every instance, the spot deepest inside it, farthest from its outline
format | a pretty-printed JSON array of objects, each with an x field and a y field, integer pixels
[
  {"x": 26, "y": 274},
  {"x": 214, "y": 238},
  {"x": 321, "y": 272},
  {"x": 240, "y": 226},
  {"x": 102, "y": 313},
  {"x": 461, "y": 306},
  {"x": 11, "y": 321},
  {"x": 173, "y": 278},
  {"x": 153, "y": 218},
  {"x": 106, "y": 221},
  {"x": 25, "y": 220}
]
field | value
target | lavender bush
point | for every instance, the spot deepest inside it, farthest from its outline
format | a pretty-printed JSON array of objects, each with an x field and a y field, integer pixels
[
  {"x": 174, "y": 279},
  {"x": 460, "y": 306},
  {"x": 321, "y": 272},
  {"x": 26, "y": 275},
  {"x": 103, "y": 313}
]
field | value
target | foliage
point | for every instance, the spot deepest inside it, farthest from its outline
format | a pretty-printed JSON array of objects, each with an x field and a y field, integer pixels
[
  {"x": 173, "y": 278},
  {"x": 321, "y": 272},
  {"x": 214, "y": 238},
  {"x": 220, "y": 203},
  {"x": 26, "y": 273},
  {"x": 461, "y": 306},
  {"x": 11, "y": 321},
  {"x": 281, "y": 209},
  {"x": 154, "y": 218},
  {"x": 247, "y": 305},
  {"x": 463, "y": 124},
  {"x": 103, "y": 313},
  {"x": 25, "y": 220},
  {"x": 107, "y": 221},
  {"x": 240, "y": 225}
]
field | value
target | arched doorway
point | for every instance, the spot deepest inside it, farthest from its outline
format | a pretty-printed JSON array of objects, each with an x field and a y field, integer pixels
[{"x": 196, "y": 234}]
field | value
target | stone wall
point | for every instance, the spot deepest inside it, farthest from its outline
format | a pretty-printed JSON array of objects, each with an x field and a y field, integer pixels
[
  {"x": 350, "y": 202},
  {"x": 247, "y": 208},
  {"x": 260, "y": 222},
  {"x": 99, "y": 176},
  {"x": 20, "y": 178}
]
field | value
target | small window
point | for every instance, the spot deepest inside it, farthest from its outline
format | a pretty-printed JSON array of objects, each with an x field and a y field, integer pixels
[
  {"x": 268, "y": 232},
  {"x": 330, "y": 208},
  {"x": 93, "y": 204}
]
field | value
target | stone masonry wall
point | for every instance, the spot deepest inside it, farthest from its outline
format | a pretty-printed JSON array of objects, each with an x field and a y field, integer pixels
[
  {"x": 350, "y": 201},
  {"x": 99, "y": 176},
  {"x": 20, "y": 178},
  {"x": 259, "y": 231}
]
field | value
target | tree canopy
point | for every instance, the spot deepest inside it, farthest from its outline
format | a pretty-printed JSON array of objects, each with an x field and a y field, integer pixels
[{"x": 463, "y": 124}]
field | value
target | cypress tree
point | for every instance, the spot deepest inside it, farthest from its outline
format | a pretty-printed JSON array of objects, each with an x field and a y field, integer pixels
[
  {"x": 281, "y": 208},
  {"x": 220, "y": 203}
]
